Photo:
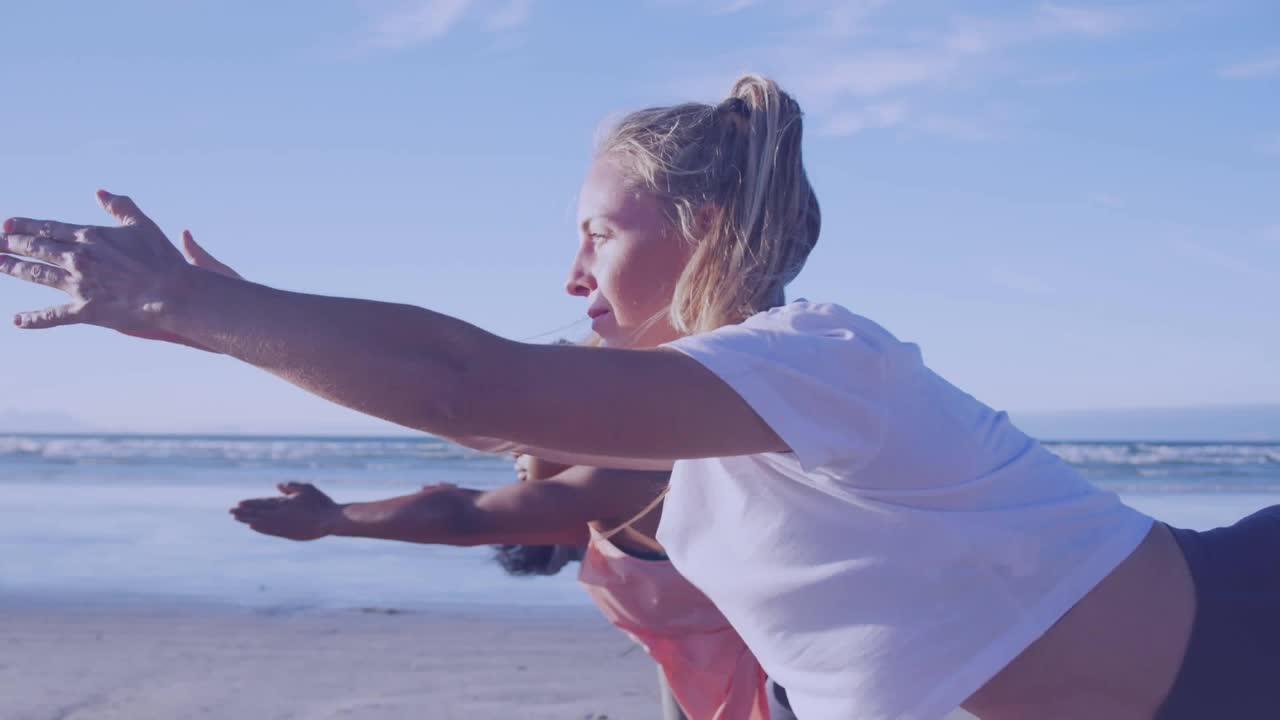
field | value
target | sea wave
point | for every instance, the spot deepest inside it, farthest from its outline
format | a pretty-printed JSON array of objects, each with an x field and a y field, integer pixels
[
  {"x": 373, "y": 453},
  {"x": 1127, "y": 465},
  {"x": 1145, "y": 454}
]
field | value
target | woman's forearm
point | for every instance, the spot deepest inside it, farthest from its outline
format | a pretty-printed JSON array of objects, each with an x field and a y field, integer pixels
[
  {"x": 447, "y": 516},
  {"x": 400, "y": 363},
  {"x": 437, "y": 517}
]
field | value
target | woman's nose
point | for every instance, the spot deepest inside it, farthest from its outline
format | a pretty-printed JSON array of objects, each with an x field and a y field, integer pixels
[{"x": 580, "y": 283}]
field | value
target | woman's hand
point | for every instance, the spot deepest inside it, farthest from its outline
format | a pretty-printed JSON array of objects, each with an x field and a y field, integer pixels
[
  {"x": 119, "y": 277},
  {"x": 199, "y": 257},
  {"x": 302, "y": 513}
]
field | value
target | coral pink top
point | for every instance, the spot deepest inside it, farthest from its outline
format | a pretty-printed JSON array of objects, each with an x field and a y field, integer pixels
[{"x": 708, "y": 667}]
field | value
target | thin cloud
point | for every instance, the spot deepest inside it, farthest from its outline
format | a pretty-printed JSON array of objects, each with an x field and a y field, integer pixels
[
  {"x": 1207, "y": 255},
  {"x": 894, "y": 77},
  {"x": 851, "y": 122},
  {"x": 729, "y": 7},
  {"x": 1056, "y": 18},
  {"x": 955, "y": 128},
  {"x": 879, "y": 73},
  {"x": 1256, "y": 68},
  {"x": 417, "y": 22},
  {"x": 849, "y": 17},
  {"x": 941, "y": 55},
  {"x": 888, "y": 115},
  {"x": 414, "y": 23},
  {"x": 713, "y": 8},
  {"x": 970, "y": 35},
  {"x": 511, "y": 15},
  {"x": 849, "y": 87}
]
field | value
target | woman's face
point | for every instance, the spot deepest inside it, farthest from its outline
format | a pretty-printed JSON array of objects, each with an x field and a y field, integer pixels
[{"x": 628, "y": 261}]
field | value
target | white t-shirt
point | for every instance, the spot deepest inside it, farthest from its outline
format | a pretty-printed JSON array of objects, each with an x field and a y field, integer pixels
[{"x": 910, "y": 546}]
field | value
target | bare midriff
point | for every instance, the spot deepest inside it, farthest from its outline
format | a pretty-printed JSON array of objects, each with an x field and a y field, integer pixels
[{"x": 1114, "y": 655}]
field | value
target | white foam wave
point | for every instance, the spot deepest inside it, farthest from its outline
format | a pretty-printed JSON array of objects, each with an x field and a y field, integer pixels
[
  {"x": 243, "y": 452},
  {"x": 1157, "y": 454}
]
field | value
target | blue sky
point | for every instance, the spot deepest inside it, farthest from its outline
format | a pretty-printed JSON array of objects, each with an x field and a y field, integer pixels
[{"x": 1068, "y": 205}]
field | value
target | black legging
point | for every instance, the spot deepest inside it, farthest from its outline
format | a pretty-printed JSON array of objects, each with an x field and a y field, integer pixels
[{"x": 1232, "y": 665}]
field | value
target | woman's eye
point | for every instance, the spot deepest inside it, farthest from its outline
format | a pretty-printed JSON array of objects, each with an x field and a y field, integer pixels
[{"x": 597, "y": 237}]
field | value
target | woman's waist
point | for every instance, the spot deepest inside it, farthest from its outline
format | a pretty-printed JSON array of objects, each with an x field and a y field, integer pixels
[{"x": 1130, "y": 631}]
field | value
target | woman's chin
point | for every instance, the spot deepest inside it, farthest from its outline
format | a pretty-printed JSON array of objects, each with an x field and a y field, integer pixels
[
  {"x": 613, "y": 338},
  {"x": 610, "y": 342},
  {"x": 612, "y": 335},
  {"x": 606, "y": 328}
]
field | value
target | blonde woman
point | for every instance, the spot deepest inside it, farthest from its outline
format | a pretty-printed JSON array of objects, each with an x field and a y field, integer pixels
[{"x": 887, "y": 545}]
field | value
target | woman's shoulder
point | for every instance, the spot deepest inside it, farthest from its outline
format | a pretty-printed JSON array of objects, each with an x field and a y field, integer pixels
[{"x": 827, "y": 320}]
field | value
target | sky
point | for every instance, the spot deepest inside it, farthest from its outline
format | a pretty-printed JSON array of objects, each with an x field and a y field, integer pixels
[{"x": 1068, "y": 205}]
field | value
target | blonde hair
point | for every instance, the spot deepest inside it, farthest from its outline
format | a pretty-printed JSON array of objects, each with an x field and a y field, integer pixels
[{"x": 733, "y": 185}]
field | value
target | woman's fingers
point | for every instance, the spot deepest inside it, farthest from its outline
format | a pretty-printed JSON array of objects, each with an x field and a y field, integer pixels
[
  {"x": 51, "y": 317},
  {"x": 34, "y": 272},
  {"x": 294, "y": 488},
  {"x": 50, "y": 229},
  {"x": 40, "y": 274},
  {"x": 245, "y": 510},
  {"x": 258, "y": 505},
  {"x": 198, "y": 256},
  {"x": 124, "y": 210},
  {"x": 58, "y": 254},
  {"x": 54, "y": 252},
  {"x": 254, "y": 511}
]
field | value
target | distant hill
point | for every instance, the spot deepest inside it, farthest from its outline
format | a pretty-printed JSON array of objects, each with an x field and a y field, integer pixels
[
  {"x": 50, "y": 422},
  {"x": 39, "y": 421},
  {"x": 1222, "y": 423}
]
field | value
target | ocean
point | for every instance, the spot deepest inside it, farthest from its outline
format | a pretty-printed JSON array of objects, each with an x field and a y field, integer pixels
[{"x": 133, "y": 518}]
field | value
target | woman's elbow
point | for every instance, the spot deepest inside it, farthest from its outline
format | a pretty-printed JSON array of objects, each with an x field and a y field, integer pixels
[
  {"x": 443, "y": 515},
  {"x": 470, "y": 393}
]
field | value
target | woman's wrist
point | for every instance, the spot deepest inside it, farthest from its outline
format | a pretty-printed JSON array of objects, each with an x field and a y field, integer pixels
[
  {"x": 342, "y": 524},
  {"x": 179, "y": 300},
  {"x": 208, "y": 309}
]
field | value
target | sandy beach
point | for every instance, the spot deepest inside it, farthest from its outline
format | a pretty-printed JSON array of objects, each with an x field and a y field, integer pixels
[
  {"x": 152, "y": 662},
  {"x": 146, "y": 662}
]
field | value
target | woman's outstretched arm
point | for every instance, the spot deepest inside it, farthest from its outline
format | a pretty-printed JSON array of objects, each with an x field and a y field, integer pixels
[
  {"x": 436, "y": 373},
  {"x": 553, "y": 511},
  {"x": 411, "y": 366}
]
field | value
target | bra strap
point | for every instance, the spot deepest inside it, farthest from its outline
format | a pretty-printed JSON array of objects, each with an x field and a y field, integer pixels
[{"x": 647, "y": 509}]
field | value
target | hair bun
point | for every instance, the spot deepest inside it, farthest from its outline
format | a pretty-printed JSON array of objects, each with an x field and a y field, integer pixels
[{"x": 734, "y": 112}]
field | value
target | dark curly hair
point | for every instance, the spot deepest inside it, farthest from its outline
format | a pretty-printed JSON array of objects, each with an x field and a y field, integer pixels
[{"x": 528, "y": 560}]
